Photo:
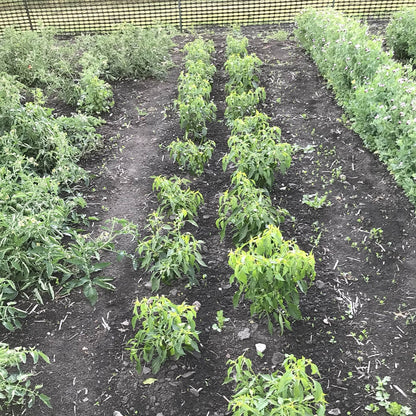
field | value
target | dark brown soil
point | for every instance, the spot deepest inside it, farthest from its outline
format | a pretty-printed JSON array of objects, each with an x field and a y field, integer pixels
[{"x": 363, "y": 286}]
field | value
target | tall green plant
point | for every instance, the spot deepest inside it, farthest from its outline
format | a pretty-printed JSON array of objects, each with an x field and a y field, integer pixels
[
  {"x": 271, "y": 272},
  {"x": 342, "y": 49}
]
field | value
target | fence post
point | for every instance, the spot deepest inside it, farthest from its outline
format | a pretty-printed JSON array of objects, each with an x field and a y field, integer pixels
[
  {"x": 180, "y": 15},
  {"x": 28, "y": 14},
  {"x": 333, "y": 3}
]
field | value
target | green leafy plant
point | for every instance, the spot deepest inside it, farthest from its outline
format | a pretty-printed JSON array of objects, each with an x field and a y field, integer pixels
[
  {"x": 167, "y": 330},
  {"x": 194, "y": 115},
  {"x": 259, "y": 155},
  {"x": 243, "y": 73},
  {"x": 401, "y": 34},
  {"x": 80, "y": 130},
  {"x": 10, "y": 315},
  {"x": 270, "y": 272},
  {"x": 383, "y": 399},
  {"x": 315, "y": 201},
  {"x": 174, "y": 199},
  {"x": 236, "y": 45},
  {"x": 132, "y": 52},
  {"x": 292, "y": 391},
  {"x": 168, "y": 253},
  {"x": 247, "y": 208},
  {"x": 241, "y": 104},
  {"x": 199, "y": 50},
  {"x": 95, "y": 95},
  {"x": 15, "y": 385},
  {"x": 221, "y": 320},
  {"x": 191, "y": 156}
]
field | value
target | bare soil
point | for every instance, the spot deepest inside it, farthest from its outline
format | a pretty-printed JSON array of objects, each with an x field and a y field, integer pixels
[{"x": 357, "y": 317}]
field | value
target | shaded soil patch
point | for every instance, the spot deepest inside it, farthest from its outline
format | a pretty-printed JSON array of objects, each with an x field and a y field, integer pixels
[{"x": 357, "y": 317}]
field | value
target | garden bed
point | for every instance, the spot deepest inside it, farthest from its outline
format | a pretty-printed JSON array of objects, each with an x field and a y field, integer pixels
[{"x": 358, "y": 316}]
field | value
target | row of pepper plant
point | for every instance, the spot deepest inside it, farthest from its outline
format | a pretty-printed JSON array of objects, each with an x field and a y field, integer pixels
[
  {"x": 376, "y": 92},
  {"x": 270, "y": 271},
  {"x": 168, "y": 252},
  {"x": 195, "y": 108}
]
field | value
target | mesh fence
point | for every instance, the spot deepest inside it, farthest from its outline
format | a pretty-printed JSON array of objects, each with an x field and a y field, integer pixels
[{"x": 75, "y": 16}]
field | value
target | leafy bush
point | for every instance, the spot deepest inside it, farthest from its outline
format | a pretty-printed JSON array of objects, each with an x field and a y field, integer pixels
[
  {"x": 377, "y": 93},
  {"x": 292, "y": 392},
  {"x": 259, "y": 155},
  {"x": 80, "y": 130},
  {"x": 401, "y": 34},
  {"x": 236, "y": 45},
  {"x": 252, "y": 125},
  {"x": 174, "y": 199},
  {"x": 94, "y": 95},
  {"x": 247, "y": 208},
  {"x": 243, "y": 73},
  {"x": 38, "y": 248},
  {"x": 191, "y": 156},
  {"x": 342, "y": 49},
  {"x": 168, "y": 253},
  {"x": 241, "y": 104},
  {"x": 193, "y": 85},
  {"x": 193, "y": 103},
  {"x": 270, "y": 272},
  {"x": 166, "y": 331},
  {"x": 194, "y": 114},
  {"x": 199, "y": 50},
  {"x": 15, "y": 385},
  {"x": 10, "y": 315},
  {"x": 35, "y": 57},
  {"x": 132, "y": 52}
]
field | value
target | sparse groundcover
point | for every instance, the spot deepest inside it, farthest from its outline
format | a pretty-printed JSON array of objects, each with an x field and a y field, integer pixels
[{"x": 358, "y": 318}]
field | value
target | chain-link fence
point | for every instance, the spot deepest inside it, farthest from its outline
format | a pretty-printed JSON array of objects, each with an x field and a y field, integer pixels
[{"x": 75, "y": 16}]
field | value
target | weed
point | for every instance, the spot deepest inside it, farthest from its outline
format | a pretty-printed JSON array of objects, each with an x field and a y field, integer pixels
[
  {"x": 382, "y": 399},
  {"x": 221, "y": 319},
  {"x": 315, "y": 201}
]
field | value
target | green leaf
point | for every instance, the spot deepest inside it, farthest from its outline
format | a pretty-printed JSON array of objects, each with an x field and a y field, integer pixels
[{"x": 90, "y": 293}]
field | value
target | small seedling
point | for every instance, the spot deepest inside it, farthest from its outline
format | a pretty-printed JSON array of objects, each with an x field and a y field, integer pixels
[{"x": 220, "y": 321}]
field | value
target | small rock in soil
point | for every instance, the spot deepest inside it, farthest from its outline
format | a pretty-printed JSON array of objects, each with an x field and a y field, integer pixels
[
  {"x": 145, "y": 370},
  {"x": 148, "y": 285},
  {"x": 278, "y": 358},
  {"x": 319, "y": 284},
  {"x": 335, "y": 412},
  {"x": 260, "y": 348},
  {"x": 244, "y": 334},
  {"x": 117, "y": 413}
]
